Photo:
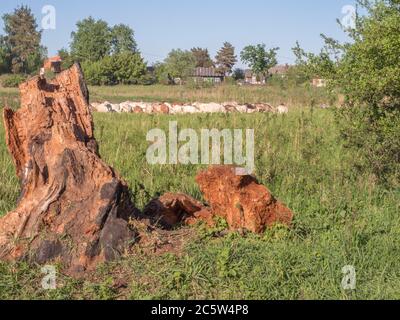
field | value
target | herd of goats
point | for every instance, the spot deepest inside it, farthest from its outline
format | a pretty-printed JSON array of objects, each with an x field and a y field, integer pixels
[{"x": 192, "y": 108}]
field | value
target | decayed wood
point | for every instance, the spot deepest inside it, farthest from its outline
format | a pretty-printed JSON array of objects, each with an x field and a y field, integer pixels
[
  {"x": 76, "y": 209},
  {"x": 241, "y": 200},
  {"x": 73, "y": 206}
]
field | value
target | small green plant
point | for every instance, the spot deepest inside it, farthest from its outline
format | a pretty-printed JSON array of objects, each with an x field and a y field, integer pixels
[
  {"x": 101, "y": 291},
  {"x": 12, "y": 80},
  {"x": 220, "y": 225},
  {"x": 224, "y": 264},
  {"x": 277, "y": 232}
]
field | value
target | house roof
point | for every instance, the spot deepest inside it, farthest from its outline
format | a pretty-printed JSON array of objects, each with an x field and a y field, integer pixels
[
  {"x": 54, "y": 59},
  {"x": 279, "y": 69},
  {"x": 205, "y": 72}
]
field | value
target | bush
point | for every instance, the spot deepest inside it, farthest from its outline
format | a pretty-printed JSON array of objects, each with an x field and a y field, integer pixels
[
  {"x": 93, "y": 73},
  {"x": 179, "y": 64},
  {"x": 376, "y": 133},
  {"x": 162, "y": 75},
  {"x": 147, "y": 79},
  {"x": 67, "y": 59},
  {"x": 369, "y": 75},
  {"x": 124, "y": 68},
  {"x": 238, "y": 74},
  {"x": 12, "y": 80},
  {"x": 127, "y": 68}
]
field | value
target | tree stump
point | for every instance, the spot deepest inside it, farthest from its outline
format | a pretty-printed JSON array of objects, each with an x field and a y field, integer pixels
[
  {"x": 73, "y": 206},
  {"x": 241, "y": 200}
]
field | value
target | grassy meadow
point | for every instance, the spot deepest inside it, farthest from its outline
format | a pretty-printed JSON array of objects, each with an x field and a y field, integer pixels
[
  {"x": 292, "y": 96},
  {"x": 341, "y": 217},
  {"x": 299, "y": 96}
]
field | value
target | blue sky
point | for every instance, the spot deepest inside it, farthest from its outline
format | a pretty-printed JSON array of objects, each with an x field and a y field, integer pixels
[{"x": 161, "y": 25}]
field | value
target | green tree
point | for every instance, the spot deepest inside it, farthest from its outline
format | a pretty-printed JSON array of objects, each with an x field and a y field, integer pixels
[
  {"x": 92, "y": 41},
  {"x": 128, "y": 67},
  {"x": 259, "y": 59},
  {"x": 67, "y": 59},
  {"x": 179, "y": 64},
  {"x": 203, "y": 59},
  {"x": 23, "y": 40},
  {"x": 238, "y": 74},
  {"x": 95, "y": 74},
  {"x": 323, "y": 65},
  {"x": 123, "y": 39},
  {"x": 369, "y": 76},
  {"x": 35, "y": 60},
  {"x": 161, "y": 74},
  {"x": 226, "y": 59},
  {"x": 5, "y": 56},
  {"x": 367, "y": 71},
  {"x": 123, "y": 68}
]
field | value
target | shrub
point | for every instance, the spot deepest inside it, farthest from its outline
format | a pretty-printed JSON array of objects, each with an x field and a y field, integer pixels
[
  {"x": 124, "y": 68},
  {"x": 179, "y": 64},
  {"x": 127, "y": 68},
  {"x": 67, "y": 59},
  {"x": 367, "y": 72},
  {"x": 147, "y": 79},
  {"x": 162, "y": 75},
  {"x": 12, "y": 80},
  {"x": 93, "y": 73},
  {"x": 369, "y": 75},
  {"x": 238, "y": 74}
]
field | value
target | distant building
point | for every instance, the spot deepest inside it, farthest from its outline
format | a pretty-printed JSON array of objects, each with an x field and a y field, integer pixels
[
  {"x": 150, "y": 69},
  {"x": 207, "y": 75},
  {"x": 53, "y": 64},
  {"x": 251, "y": 78},
  {"x": 319, "y": 83},
  {"x": 279, "y": 70}
]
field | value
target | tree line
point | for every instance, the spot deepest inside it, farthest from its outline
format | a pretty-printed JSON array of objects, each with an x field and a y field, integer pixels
[
  {"x": 110, "y": 55},
  {"x": 20, "y": 48}
]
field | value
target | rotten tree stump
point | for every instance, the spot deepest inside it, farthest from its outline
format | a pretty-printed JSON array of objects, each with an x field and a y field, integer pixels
[
  {"x": 244, "y": 203},
  {"x": 241, "y": 200},
  {"x": 73, "y": 206},
  {"x": 172, "y": 209}
]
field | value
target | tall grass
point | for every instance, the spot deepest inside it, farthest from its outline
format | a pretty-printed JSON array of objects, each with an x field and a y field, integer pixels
[
  {"x": 292, "y": 96},
  {"x": 342, "y": 218}
]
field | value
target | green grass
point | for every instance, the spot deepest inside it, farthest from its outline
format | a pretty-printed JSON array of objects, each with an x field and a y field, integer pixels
[
  {"x": 274, "y": 94},
  {"x": 342, "y": 218},
  {"x": 301, "y": 96}
]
